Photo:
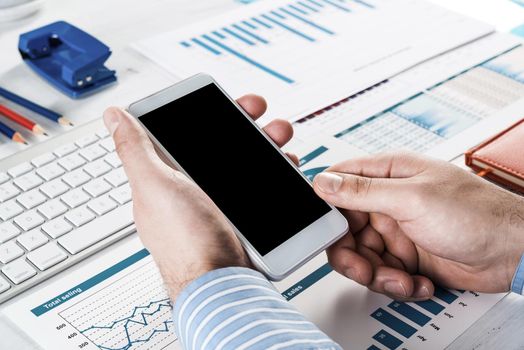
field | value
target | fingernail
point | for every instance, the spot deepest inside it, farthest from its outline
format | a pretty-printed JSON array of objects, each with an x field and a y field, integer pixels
[
  {"x": 111, "y": 121},
  {"x": 395, "y": 288},
  {"x": 328, "y": 182},
  {"x": 422, "y": 293}
]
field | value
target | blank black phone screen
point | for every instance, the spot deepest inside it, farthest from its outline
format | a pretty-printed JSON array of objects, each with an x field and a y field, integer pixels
[{"x": 247, "y": 178}]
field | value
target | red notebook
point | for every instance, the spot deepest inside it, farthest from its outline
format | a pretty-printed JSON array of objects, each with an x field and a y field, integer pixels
[{"x": 501, "y": 158}]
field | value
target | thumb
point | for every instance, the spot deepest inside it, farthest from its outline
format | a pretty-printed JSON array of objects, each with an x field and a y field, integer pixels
[
  {"x": 132, "y": 145},
  {"x": 365, "y": 194}
]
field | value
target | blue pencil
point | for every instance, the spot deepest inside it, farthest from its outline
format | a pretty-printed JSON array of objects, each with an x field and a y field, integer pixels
[
  {"x": 12, "y": 134},
  {"x": 49, "y": 114}
]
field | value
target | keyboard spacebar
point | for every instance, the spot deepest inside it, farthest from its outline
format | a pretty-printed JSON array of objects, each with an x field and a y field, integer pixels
[{"x": 98, "y": 229}]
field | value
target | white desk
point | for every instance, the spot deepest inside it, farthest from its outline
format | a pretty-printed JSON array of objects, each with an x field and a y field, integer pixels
[{"x": 120, "y": 22}]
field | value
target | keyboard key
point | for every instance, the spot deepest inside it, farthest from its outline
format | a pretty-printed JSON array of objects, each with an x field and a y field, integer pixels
[
  {"x": 102, "y": 133},
  {"x": 75, "y": 198},
  {"x": 8, "y": 231},
  {"x": 76, "y": 178},
  {"x": 29, "y": 220},
  {"x": 54, "y": 188},
  {"x": 80, "y": 216},
  {"x": 50, "y": 171},
  {"x": 86, "y": 140},
  {"x": 32, "y": 239},
  {"x": 52, "y": 209},
  {"x": 116, "y": 177},
  {"x": 108, "y": 144},
  {"x": 102, "y": 205},
  {"x": 18, "y": 271},
  {"x": 97, "y": 168},
  {"x": 121, "y": 194},
  {"x": 71, "y": 162},
  {"x": 10, "y": 251},
  {"x": 92, "y": 152},
  {"x": 4, "y": 285},
  {"x": 43, "y": 159},
  {"x": 9, "y": 210},
  {"x": 4, "y": 177},
  {"x": 98, "y": 229},
  {"x": 47, "y": 256},
  {"x": 8, "y": 191},
  {"x": 57, "y": 227},
  {"x": 65, "y": 150},
  {"x": 113, "y": 160},
  {"x": 97, "y": 187},
  {"x": 31, "y": 199},
  {"x": 20, "y": 169},
  {"x": 28, "y": 181}
]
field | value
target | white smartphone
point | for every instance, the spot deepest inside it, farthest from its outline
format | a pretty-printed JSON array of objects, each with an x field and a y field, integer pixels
[{"x": 271, "y": 205}]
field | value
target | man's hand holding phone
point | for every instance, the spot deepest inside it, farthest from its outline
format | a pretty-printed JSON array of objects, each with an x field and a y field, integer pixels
[{"x": 164, "y": 199}]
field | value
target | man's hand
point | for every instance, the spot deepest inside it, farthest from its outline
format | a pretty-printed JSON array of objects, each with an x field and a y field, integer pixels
[
  {"x": 185, "y": 232},
  {"x": 416, "y": 220}
]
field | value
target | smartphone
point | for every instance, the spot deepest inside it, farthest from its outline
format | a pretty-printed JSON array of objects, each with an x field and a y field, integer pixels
[{"x": 271, "y": 205}]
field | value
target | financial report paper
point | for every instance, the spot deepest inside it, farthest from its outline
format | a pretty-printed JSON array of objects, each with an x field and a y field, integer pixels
[{"x": 304, "y": 55}]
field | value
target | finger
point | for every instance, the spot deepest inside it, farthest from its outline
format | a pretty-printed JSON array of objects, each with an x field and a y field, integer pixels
[
  {"x": 392, "y": 197},
  {"x": 344, "y": 259},
  {"x": 398, "y": 245},
  {"x": 386, "y": 165},
  {"x": 280, "y": 131},
  {"x": 132, "y": 145},
  {"x": 395, "y": 283},
  {"x": 357, "y": 220},
  {"x": 254, "y": 105},
  {"x": 370, "y": 238},
  {"x": 293, "y": 158}
]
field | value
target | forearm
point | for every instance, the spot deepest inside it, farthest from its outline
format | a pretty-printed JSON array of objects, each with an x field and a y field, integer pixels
[{"x": 237, "y": 308}]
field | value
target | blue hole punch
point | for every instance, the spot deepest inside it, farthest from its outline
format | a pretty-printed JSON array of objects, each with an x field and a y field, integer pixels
[{"x": 68, "y": 58}]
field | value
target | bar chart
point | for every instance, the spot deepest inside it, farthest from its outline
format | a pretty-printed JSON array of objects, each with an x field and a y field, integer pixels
[{"x": 303, "y": 55}]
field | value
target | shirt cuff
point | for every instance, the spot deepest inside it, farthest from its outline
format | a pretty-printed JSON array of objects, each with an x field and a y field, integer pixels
[
  {"x": 517, "y": 284},
  {"x": 236, "y": 307}
]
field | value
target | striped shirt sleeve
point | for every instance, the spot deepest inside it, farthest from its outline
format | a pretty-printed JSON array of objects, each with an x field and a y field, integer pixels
[
  {"x": 238, "y": 308},
  {"x": 517, "y": 285}
]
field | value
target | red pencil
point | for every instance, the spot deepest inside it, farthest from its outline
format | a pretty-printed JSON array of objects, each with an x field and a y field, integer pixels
[{"x": 21, "y": 120}]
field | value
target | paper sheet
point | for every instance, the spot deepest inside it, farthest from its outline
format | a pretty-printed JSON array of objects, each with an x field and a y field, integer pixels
[
  {"x": 304, "y": 57},
  {"x": 118, "y": 302}
]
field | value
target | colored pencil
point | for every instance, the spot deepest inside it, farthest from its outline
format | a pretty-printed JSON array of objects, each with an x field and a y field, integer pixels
[
  {"x": 21, "y": 120},
  {"x": 49, "y": 114},
  {"x": 12, "y": 134}
]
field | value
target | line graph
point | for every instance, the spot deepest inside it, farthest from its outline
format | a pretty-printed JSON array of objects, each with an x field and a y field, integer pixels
[{"x": 121, "y": 317}]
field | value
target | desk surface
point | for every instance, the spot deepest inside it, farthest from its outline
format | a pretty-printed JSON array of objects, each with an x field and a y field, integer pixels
[{"x": 120, "y": 22}]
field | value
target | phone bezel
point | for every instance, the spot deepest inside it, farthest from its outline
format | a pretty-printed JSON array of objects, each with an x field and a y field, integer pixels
[{"x": 299, "y": 248}]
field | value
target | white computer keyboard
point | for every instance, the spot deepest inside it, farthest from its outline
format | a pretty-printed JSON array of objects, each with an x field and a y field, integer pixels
[{"x": 59, "y": 205}]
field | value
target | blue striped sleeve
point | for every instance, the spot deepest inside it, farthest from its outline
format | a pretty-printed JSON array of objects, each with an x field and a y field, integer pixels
[
  {"x": 238, "y": 308},
  {"x": 517, "y": 285}
]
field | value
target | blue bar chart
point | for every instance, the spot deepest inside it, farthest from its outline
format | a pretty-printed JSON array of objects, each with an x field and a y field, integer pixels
[{"x": 303, "y": 55}]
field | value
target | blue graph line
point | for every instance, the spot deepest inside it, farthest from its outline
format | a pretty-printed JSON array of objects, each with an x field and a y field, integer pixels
[
  {"x": 218, "y": 34},
  {"x": 316, "y": 3},
  {"x": 239, "y": 37},
  {"x": 286, "y": 27},
  {"x": 313, "y": 24},
  {"x": 250, "y": 25},
  {"x": 340, "y": 7},
  {"x": 185, "y": 44},
  {"x": 278, "y": 15},
  {"x": 247, "y": 32},
  {"x": 205, "y": 46},
  {"x": 263, "y": 24},
  {"x": 307, "y": 6},
  {"x": 361, "y": 2},
  {"x": 249, "y": 60},
  {"x": 163, "y": 303},
  {"x": 293, "y": 7}
]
